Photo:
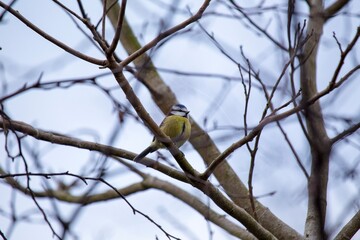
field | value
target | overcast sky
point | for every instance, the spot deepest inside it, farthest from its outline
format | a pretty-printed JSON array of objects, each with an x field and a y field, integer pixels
[{"x": 86, "y": 113}]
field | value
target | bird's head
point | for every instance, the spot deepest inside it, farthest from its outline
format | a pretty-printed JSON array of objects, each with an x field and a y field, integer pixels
[{"x": 179, "y": 110}]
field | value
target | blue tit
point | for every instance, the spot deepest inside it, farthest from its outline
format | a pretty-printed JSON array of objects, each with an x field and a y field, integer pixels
[{"x": 176, "y": 125}]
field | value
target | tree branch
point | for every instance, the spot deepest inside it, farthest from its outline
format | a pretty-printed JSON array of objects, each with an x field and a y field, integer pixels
[
  {"x": 116, "y": 38},
  {"x": 319, "y": 141},
  {"x": 84, "y": 200},
  {"x": 273, "y": 117},
  {"x": 149, "y": 122},
  {"x": 74, "y": 142},
  {"x": 343, "y": 55},
  {"x": 345, "y": 133},
  {"x": 350, "y": 229},
  {"x": 164, "y": 98},
  {"x": 335, "y": 8},
  {"x": 149, "y": 182},
  {"x": 166, "y": 33},
  {"x": 203, "y": 209},
  {"x": 52, "y": 39}
]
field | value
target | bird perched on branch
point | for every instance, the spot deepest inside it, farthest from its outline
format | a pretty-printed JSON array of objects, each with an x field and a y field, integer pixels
[{"x": 175, "y": 125}]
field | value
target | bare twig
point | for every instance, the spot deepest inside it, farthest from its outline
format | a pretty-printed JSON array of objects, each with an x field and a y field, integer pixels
[
  {"x": 343, "y": 55},
  {"x": 253, "y": 23},
  {"x": 71, "y": 12},
  {"x": 103, "y": 19},
  {"x": 247, "y": 93},
  {"x": 148, "y": 182},
  {"x": 69, "y": 141},
  {"x": 84, "y": 179},
  {"x": 42, "y": 211},
  {"x": 273, "y": 117},
  {"x": 82, "y": 9},
  {"x": 3, "y": 13},
  {"x": 52, "y": 39},
  {"x": 2, "y": 235},
  {"x": 345, "y": 133},
  {"x": 116, "y": 38},
  {"x": 167, "y": 33}
]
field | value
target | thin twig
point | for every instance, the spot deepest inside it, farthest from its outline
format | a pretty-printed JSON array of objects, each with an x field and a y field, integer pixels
[
  {"x": 82, "y": 9},
  {"x": 4, "y": 12},
  {"x": 71, "y": 12},
  {"x": 166, "y": 33},
  {"x": 84, "y": 179},
  {"x": 343, "y": 55},
  {"x": 74, "y": 142},
  {"x": 247, "y": 93},
  {"x": 103, "y": 19},
  {"x": 345, "y": 133},
  {"x": 273, "y": 117},
  {"x": 116, "y": 38},
  {"x": 52, "y": 39}
]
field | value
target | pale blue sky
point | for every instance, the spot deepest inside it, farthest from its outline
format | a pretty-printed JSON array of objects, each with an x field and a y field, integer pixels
[{"x": 74, "y": 111}]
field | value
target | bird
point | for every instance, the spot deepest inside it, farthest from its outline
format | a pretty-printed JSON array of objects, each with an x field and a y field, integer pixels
[{"x": 175, "y": 125}]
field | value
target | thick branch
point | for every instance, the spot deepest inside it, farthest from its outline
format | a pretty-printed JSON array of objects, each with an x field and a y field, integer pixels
[
  {"x": 149, "y": 122},
  {"x": 74, "y": 142},
  {"x": 335, "y": 8},
  {"x": 319, "y": 141},
  {"x": 350, "y": 229},
  {"x": 236, "y": 212},
  {"x": 164, "y": 98},
  {"x": 203, "y": 209},
  {"x": 149, "y": 182}
]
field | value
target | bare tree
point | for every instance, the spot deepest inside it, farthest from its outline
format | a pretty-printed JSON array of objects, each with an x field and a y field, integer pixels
[{"x": 296, "y": 111}]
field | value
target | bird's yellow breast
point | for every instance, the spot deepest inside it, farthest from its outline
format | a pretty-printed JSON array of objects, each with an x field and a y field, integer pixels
[{"x": 177, "y": 128}]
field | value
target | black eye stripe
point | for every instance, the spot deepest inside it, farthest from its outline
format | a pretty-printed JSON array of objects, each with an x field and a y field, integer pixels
[{"x": 179, "y": 108}]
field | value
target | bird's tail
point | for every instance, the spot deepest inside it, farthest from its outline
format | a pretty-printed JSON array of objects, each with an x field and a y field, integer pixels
[{"x": 144, "y": 153}]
